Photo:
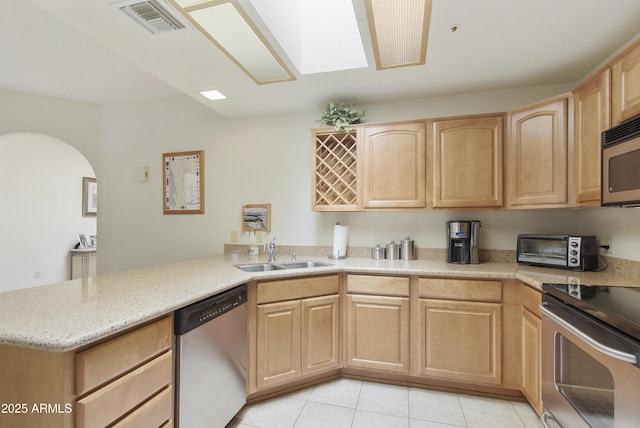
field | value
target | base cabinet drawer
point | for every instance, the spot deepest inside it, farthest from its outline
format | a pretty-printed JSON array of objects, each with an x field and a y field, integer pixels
[
  {"x": 154, "y": 413},
  {"x": 116, "y": 399},
  {"x": 102, "y": 363}
]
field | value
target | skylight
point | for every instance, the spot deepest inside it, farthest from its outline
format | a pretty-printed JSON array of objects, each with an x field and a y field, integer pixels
[{"x": 317, "y": 36}]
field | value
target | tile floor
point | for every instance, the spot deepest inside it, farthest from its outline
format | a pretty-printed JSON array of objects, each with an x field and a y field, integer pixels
[{"x": 357, "y": 404}]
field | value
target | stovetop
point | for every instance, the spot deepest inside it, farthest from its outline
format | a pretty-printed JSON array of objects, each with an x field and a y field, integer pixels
[{"x": 616, "y": 306}]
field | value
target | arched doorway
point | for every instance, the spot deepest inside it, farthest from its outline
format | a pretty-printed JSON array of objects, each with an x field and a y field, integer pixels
[{"x": 41, "y": 211}]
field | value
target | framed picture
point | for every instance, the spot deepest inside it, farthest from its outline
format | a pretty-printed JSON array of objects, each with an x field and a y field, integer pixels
[
  {"x": 93, "y": 241},
  {"x": 89, "y": 197},
  {"x": 183, "y": 182},
  {"x": 256, "y": 217},
  {"x": 83, "y": 240}
]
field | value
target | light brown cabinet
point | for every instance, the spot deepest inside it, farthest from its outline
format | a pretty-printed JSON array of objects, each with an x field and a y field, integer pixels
[
  {"x": 537, "y": 151},
  {"x": 467, "y": 162},
  {"x": 532, "y": 348},
  {"x": 592, "y": 107},
  {"x": 297, "y": 328},
  {"x": 459, "y": 333},
  {"x": 128, "y": 378},
  {"x": 377, "y": 323},
  {"x": 394, "y": 166},
  {"x": 335, "y": 166},
  {"x": 625, "y": 86}
]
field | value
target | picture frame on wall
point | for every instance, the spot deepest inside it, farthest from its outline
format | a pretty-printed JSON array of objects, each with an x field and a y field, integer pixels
[
  {"x": 89, "y": 197},
  {"x": 183, "y": 182}
]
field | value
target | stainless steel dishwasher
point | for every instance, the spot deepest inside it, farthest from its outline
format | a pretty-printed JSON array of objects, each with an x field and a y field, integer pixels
[{"x": 211, "y": 359}]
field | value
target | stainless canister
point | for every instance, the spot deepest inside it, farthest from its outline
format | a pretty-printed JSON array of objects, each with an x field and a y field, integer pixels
[
  {"x": 407, "y": 250},
  {"x": 393, "y": 251},
  {"x": 378, "y": 252}
]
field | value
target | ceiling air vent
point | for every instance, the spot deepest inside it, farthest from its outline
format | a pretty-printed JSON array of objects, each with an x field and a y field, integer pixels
[{"x": 152, "y": 16}]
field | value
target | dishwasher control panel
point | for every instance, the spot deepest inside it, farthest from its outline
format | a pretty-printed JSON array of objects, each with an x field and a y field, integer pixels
[{"x": 196, "y": 314}]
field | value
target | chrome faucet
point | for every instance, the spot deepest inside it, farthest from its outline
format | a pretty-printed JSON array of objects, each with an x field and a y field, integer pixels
[{"x": 272, "y": 250}]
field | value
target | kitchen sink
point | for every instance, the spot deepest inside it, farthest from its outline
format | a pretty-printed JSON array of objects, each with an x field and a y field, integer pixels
[
  {"x": 259, "y": 267},
  {"x": 265, "y": 267},
  {"x": 298, "y": 265}
]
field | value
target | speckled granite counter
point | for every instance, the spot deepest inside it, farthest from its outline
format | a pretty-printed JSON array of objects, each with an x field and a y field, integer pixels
[{"x": 64, "y": 316}]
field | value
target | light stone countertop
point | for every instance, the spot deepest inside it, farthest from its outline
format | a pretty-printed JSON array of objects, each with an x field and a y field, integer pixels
[{"x": 64, "y": 316}]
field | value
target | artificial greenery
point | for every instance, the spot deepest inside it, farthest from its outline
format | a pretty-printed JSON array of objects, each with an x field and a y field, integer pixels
[{"x": 341, "y": 116}]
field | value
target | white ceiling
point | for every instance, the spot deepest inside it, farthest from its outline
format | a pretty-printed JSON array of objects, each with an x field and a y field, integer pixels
[{"x": 87, "y": 50}]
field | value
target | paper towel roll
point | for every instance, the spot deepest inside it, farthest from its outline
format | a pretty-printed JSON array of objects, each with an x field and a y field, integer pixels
[{"x": 340, "y": 236}]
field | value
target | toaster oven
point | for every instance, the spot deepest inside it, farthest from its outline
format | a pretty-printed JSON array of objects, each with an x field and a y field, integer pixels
[{"x": 558, "y": 251}]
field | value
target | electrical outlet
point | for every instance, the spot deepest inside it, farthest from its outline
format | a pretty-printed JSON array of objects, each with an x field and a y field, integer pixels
[
  {"x": 607, "y": 240},
  {"x": 234, "y": 236},
  {"x": 36, "y": 274}
]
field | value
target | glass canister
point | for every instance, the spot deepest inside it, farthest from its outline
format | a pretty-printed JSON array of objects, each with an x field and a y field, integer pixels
[
  {"x": 378, "y": 252},
  {"x": 407, "y": 249},
  {"x": 393, "y": 251}
]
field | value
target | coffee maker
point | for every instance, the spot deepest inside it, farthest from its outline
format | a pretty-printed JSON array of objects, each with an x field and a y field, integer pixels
[{"x": 462, "y": 241}]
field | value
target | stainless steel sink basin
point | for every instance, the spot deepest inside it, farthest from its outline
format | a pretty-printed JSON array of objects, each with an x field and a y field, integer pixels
[
  {"x": 259, "y": 267},
  {"x": 265, "y": 267},
  {"x": 298, "y": 265}
]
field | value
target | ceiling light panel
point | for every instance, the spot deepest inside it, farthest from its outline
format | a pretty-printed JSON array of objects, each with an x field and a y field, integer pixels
[
  {"x": 399, "y": 31},
  {"x": 226, "y": 25}
]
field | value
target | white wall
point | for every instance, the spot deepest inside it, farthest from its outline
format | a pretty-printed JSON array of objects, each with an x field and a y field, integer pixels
[
  {"x": 268, "y": 160},
  {"x": 41, "y": 190}
]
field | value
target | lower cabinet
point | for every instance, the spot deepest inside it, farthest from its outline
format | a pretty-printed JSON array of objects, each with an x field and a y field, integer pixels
[
  {"x": 460, "y": 330},
  {"x": 125, "y": 381},
  {"x": 377, "y": 327},
  {"x": 480, "y": 335},
  {"x": 297, "y": 328},
  {"x": 532, "y": 348}
]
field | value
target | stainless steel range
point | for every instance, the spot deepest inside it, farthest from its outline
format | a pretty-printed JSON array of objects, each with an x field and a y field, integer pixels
[{"x": 591, "y": 356}]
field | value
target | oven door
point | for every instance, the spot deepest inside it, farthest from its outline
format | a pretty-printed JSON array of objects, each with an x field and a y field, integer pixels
[{"x": 588, "y": 374}]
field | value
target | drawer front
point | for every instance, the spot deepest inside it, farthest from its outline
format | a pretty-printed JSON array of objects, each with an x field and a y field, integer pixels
[
  {"x": 378, "y": 285},
  {"x": 104, "y": 362},
  {"x": 299, "y": 288},
  {"x": 531, "y": 299},
  {"x": 459, "y": 289},
  {"x": 153, "y": 413},
  {"x": 114, "y": 400}
]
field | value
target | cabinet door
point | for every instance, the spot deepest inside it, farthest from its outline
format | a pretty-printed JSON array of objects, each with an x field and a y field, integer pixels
[
  {"x": 467, "y": 166},
  {"x": 319, "y": 333},
  {"x": 278, "y": 342},
  {"x": 592, "y": 108},
  {"x": 461, "y": 340},
  {"x": 394, "y": 166},
  {"x": 532, "y": 359},
  {"x": 625, "y": 87},
  {"x": 538, "y": 155},
  {"x": 378, "y": 332}
]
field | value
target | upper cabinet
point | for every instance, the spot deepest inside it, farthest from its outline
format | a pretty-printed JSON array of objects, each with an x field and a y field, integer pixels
[
  {"x": 625, "y": 86},
  {"x": 334, "y": 182},
  {"x": 592, "y": 116},
  {"x": 537, "y": 155},
  {"x": 467, "y": 162},
  {"x": 394, "y": 166}
]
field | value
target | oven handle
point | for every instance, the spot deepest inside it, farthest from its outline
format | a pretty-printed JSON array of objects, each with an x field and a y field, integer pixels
[
  {"x": 545, "y": 418},
  {"x": 607, "y": 350}
]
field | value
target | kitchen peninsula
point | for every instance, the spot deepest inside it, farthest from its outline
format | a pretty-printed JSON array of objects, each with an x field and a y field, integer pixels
[{"x": 53, "y": 337}]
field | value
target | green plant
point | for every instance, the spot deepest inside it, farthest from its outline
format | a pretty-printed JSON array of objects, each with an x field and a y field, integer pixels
[{"x": 341, "y": 116}]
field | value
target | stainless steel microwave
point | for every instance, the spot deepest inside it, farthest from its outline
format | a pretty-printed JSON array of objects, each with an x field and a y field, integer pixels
[
  {"x": 559, "y": 251},
  {"x": 621, "y": 164}
]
